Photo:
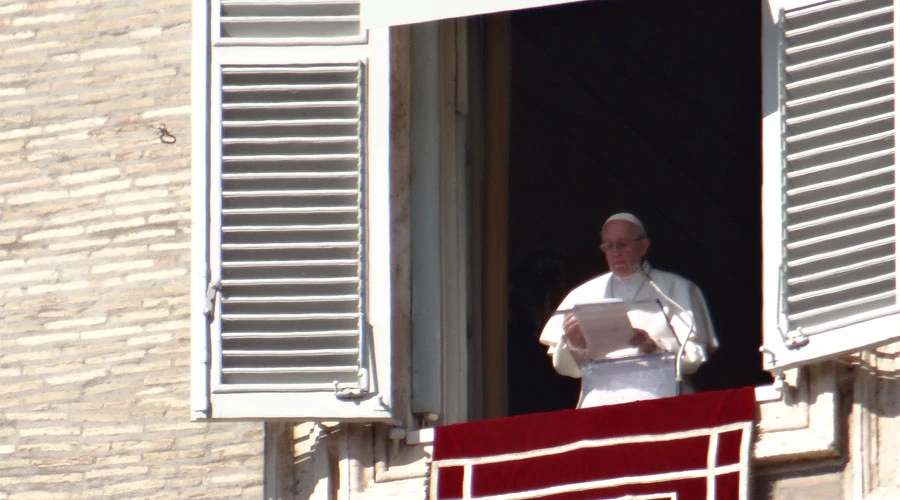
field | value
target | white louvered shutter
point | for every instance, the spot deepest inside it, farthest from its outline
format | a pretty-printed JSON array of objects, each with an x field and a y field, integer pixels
[
  {"x": 295, "y": 192},
  {"x": 835, "y": 283}
]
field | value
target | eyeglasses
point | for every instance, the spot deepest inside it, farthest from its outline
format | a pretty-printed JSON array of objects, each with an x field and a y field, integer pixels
[{"x": 618, "y": 246}]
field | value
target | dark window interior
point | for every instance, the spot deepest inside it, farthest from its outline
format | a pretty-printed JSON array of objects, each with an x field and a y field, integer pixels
[{"x": 650, "y": 106}]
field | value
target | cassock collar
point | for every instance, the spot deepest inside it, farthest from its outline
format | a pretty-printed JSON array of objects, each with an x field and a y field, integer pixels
[{"x": 634, "y": 278}]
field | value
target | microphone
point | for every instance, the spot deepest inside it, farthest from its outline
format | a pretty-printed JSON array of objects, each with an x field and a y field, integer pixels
[{"x": 678, "y": 372}]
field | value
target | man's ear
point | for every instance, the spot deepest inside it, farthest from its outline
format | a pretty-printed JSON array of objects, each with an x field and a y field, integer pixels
[{"x": 645, "y": 245}]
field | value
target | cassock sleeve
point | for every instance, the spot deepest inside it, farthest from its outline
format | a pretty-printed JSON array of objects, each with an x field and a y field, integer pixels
[
  {"x": 552, "y": 337},
  {"x": 697, "y": 318}
]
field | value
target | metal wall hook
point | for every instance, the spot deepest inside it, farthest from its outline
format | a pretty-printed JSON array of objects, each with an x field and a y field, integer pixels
[{"x": 165, "y": 136}]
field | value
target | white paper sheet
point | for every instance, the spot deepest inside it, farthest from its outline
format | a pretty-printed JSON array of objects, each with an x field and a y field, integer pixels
[{"x": 608, "y": 327}]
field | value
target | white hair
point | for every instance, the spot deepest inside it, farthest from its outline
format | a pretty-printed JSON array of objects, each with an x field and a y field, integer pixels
[{"x": 629, "y": 218}]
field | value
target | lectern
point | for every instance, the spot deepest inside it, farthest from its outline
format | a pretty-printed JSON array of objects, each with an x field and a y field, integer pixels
[{"x": 617, "y": 372}]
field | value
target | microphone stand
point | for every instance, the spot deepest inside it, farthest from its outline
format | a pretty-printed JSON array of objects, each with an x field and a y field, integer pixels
[{"x": 678, "y": 372}]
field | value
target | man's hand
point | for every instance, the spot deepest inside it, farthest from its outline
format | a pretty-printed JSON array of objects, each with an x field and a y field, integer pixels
[
  {"x": 573, "y": 334},
  {"x": 643, "y": 342}
]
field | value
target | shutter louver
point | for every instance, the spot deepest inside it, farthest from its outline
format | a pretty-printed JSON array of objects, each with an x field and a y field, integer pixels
[
  {"x": 839, "y": 169},
  {"x": 291, "y": 227},
  {"x": 290, "y": 21}
]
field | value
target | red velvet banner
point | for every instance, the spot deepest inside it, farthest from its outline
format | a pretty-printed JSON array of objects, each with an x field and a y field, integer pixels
[{"x": 688, "y": 447}]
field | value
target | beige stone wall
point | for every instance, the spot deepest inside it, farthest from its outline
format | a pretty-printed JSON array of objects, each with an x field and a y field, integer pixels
[
  {"x": 94, "y": 260},
  {"x": 94, "y": 284},
  {"x": 817, "y": 480}
]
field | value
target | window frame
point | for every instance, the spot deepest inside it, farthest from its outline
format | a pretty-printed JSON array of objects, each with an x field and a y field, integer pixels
[
  {"x": 799, "y": 417},
  {"x": 380, "y": 13}
]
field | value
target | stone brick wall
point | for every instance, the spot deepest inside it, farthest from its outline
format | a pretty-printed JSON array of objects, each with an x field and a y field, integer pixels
[
  {"x": 820, "y": 483},
  {"x": 94, "y": 277},
  {"x": 94, "y": 260}
]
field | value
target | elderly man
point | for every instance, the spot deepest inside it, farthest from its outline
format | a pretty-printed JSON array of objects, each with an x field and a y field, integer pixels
[{"x": 624, "y": 243}]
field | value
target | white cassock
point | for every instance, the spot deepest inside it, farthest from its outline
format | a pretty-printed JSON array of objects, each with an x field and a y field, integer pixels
[{"x": 622, "y": 382}]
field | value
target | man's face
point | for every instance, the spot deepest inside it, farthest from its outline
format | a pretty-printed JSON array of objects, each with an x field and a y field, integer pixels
[{"x": 623, "y": 246}]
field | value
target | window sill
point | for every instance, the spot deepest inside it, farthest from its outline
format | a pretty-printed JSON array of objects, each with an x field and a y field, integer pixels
[
  {"x": 797, "y": 423},
  {"x": 801, "y": 421}
]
